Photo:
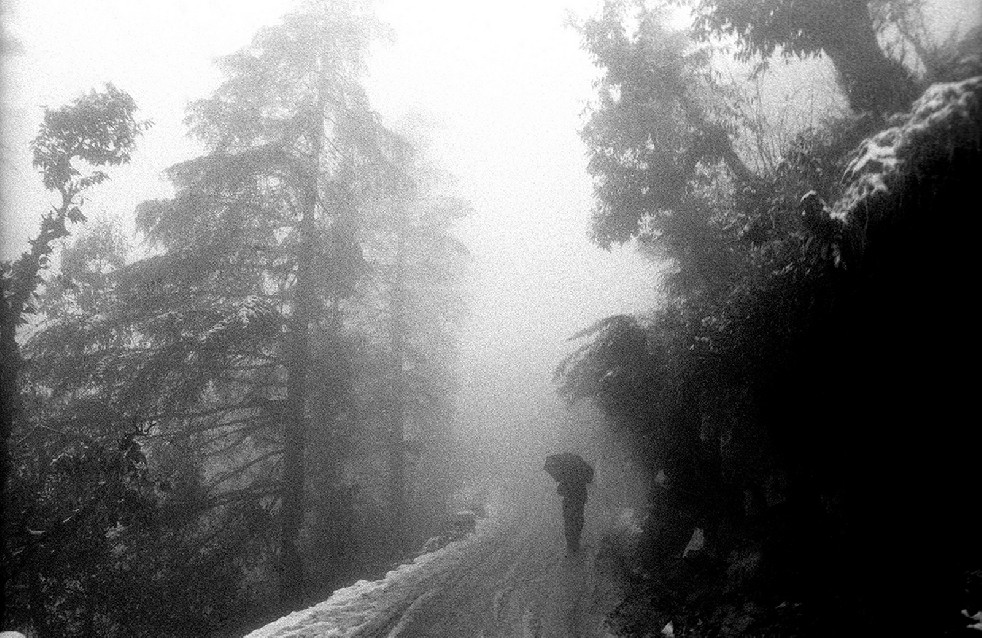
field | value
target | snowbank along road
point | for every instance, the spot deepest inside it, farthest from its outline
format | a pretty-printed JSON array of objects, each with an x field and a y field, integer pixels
[{"x": 511, "y": 578}]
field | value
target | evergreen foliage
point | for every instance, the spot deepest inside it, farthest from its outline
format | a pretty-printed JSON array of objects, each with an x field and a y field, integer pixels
[
  {"x": 844, "y": 30},
  {"x": 781, "y": 398},
  {"x": 96, "y": 130},
  {"x": 202, "y": 442}
]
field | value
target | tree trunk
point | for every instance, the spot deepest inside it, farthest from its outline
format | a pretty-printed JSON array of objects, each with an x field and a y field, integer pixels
[
  {"x": 291, "y": 517},
  {"x": 872, "y": 81},
  {"x": 9, "y": 406},
  {"x": 292, "y": 585},
  {"x": 17, "y": 287},
  {"x": 397, "y": 405}
]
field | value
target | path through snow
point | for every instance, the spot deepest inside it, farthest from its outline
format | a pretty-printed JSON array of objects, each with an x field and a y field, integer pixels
[{"x": 511, "y": 579}]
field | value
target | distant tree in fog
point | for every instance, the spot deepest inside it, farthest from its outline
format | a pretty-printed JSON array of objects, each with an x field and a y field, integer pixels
[
  {"x": 661, "y": 141},
  {"x": 260, "y": 252},
  {"x": 292, "y": 326},
  {"x": 204, "y": 351},
  {"x": 418, "y": 265},
  {"x": 844, "y": 30}
]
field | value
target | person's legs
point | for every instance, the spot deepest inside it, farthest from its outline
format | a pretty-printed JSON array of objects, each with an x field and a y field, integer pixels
[{"x": 573, "y": 523}]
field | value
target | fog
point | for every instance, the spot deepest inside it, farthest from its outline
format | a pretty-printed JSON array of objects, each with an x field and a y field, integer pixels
[
  {"x": 275, "y": 399},
  {"x": 507, "y": 84},
  {"x": 502, "y": 85}
]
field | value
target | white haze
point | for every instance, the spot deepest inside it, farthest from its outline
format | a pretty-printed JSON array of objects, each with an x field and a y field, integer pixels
[
  {"x": 505, "y": 84},
  {"x": 509, "y": 82}
]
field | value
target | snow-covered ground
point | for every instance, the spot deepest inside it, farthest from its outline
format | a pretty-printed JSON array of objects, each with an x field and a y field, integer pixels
[
  {"x": 359, "y": 607},
  {"x": 510, "y": 578}
]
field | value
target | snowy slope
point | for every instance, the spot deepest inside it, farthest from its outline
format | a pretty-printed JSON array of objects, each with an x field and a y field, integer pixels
[
  {"x": 360, "y": 608},
  {"x": 511, "y": 578}
]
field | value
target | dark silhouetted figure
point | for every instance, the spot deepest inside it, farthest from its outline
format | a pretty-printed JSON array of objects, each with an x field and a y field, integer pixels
[
  {"x": 573, "y": 474},
  {"x": 825, "y": 233}
]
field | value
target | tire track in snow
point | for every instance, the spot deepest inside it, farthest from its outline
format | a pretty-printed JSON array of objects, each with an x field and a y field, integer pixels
[
  {"x": 516, "y": 583},
  {"x": 511, "y": 580}
]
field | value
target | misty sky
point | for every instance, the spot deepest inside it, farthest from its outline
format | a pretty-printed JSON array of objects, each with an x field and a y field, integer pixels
[{"x": 504, "y": 82}]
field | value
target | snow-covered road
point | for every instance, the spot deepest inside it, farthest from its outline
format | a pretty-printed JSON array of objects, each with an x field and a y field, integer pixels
[{"x": 512, "y": 578}]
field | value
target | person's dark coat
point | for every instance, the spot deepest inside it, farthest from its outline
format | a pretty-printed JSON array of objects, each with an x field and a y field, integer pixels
[{"x": 572, "y": 473}]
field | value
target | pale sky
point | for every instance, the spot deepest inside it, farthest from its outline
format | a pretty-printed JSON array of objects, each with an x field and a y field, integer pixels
[
  {"x": 507, "y": 83},
  {"x": 505, "y": 80}
]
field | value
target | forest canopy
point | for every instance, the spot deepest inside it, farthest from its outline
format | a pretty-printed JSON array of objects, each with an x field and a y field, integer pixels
[
  {"x": 257, "y": 398},
  {"x": 783, "y": 396},
  {"x": 218, "y": 429}
]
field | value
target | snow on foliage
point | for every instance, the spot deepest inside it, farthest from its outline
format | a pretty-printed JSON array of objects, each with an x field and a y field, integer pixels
[
  {"x": 243, "y": 313},
  {"x": 947, "y": 116},
  {"x": 361, "y": 606}
]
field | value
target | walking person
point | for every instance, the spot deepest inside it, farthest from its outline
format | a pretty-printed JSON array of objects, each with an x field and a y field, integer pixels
[{"x": 573, "y": 474}]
